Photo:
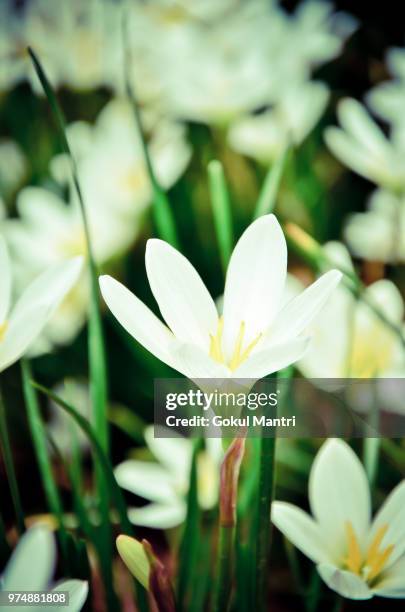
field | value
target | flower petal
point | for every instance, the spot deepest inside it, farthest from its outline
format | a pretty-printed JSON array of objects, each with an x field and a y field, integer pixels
[
  {"x": 183, "y": 299},
  {"x": 392, "y": 583},
  {"x": 5, "y": 281},
  {"x": 301, "y": 530},
  {"x": 23, "y": 329},
  {"x": 137, "y": 319},
  {"x": 173, "y": 452},
  {"x": 338, "y": 493},
  {"x": 301, "y": 310},
  {"x": 345, "y": 583},
  {"x": 158, "y": 516},
  {"x": 392, "y": 516},
  {"x": 254, "y": 281},
  {"x": 146, "y": 479},
  {"x": 273, "y": 358},
  {"x": 32, "y": 562},
  {"x": 78, "y": 591},
  {"x": 196, "y": 364}
]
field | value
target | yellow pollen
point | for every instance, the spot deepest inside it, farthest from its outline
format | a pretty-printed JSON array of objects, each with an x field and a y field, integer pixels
[
  {"x": 3, "y": 329},
  {"x": 372, "y": 564},
  {"x": 239, "y": 354}
]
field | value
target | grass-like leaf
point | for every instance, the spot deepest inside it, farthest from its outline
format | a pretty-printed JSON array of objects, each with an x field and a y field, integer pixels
[
  {"x": 221, "y": 209},
  {"x": 268, "y": 194}
]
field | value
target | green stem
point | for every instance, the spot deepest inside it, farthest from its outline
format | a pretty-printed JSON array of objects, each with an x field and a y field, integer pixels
[
  {"x": 224, "y": 580},
  {"x": 221, "y": 209},
  {"x": 269, "y": 191},
  {"x": 266, "y": 490},
  {"x": 40, "y": 447},
  {"x": 9, "y": 465}
]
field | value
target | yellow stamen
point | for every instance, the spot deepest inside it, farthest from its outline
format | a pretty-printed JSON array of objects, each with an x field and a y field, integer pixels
[
  {"x": 372, "y": 564},
  {"x": 354, "y": 559},
  {"x": 239, "y": 354},
  {"x": 3, "y": 329}
]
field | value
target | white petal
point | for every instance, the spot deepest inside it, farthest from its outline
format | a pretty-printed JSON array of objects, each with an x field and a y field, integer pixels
[
  {"x": 356, "y": 120},
  {"x": 196, "y": 364},
  {"x": 173, "y": 452},
  {"x": 78, "y": 591},
  {"x": 158, "y": 516},
  {"x": 146, "y": 479},
  {"x": 301, "y": 530},
  {"x": 32, "y": 562},
  {"x": 301, "y": 310},
  {"x": 387, "y": 298},
  {"x": 254, "y": 281},
  {"x": 50, "y": 287},
  {"x": 183, "y": 299},
  {"x": 392, "y": 583},
  {"x": 392, "y": 515},
  {"x": 339, "y": 492},
  {"x": 137, "y": 319},
  {"x": 345, "y": 583},
  {"x": 5, "y": 281},
  {"x": 271, "y": 359},
  {"x": 23, "y": 329}
]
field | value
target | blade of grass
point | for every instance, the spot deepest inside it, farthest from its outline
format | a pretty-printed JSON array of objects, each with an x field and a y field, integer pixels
[
  {"x": 97, "y": 364},
  {"x": 191, "y": 536},
  {"x": 38, "y": 435},
  {"x": 161, "y": 206},
  {"x": 221, "y": 209},
  {"x": 268, "y": 194},
  {"x": 9, "y": 465},
  {"x": 101, "y": 457}
]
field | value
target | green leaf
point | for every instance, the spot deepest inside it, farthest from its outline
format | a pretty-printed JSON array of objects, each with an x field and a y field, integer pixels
[
  {"x": 221, "y": 209},
  {"x": 268, "y": 194}
]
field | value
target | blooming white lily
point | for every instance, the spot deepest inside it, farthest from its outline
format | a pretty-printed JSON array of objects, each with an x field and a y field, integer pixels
[
  {"x": 387, "y": 99},
  {"x": 166, "y": 483},
  {"x": 379, "y": 233},
  {"x": 254, "y": 337},
  {"x": 21, "y": 325},
  {"x": 357, "y": 557},
  {"x": 363, "y": 345},
  {"x": 362, "y": 145},
  {"x": 31, "y": 567}
]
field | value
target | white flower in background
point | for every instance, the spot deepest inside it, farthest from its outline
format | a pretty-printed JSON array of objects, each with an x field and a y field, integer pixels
[
  {"x": 63, "y": 431},
  {"x": 356, "y": 556},
  {"x": 12, "y": 167},
  {"x": 110, "y": 158},
  {"x": 361, "y": 144},
  {"x": 31, "y": 568},
  {"x": 12, "y": 48},
  {"x": 387, "y": 99},
  {"x": 21, "y": 324},
  {"x": 165, "y": 484},
  {"x": 254, "y": 337},
  {"x": 363, "y": 345},
  {"x": 265, "y": 135},
  {"x": 245, "y": 59},
  {"x": 379, "y": 233}
]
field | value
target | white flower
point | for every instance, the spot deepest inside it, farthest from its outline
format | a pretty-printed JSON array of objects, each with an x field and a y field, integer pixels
[
  {"x": 363, "y": 345},
  {"x": 63, "y": 431},
  {"x": 253, "y": 337},
  {"x": 362, "y": 145},
  {"x": 166, "y": 483},
  {"x": 387, "y": 99},
  {"x": 264, "y": 136},
  {"x": 21, "y": 324},
  {"x": 379, "y": 233},
  {"x": 356, "y": 556},
  {"x": 31, "y": 567},
  {"x": 12, "y": 167}
]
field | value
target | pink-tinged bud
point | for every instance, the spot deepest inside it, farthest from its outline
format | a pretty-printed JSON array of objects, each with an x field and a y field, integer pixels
[
  {"x": 229, "y": 482},
  {"x": 159, "y": 583}
]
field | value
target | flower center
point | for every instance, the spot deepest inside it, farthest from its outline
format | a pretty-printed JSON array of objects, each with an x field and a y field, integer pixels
[
  {"x": 240, "y": 353},
  {"x": 74, "y": 245},
  {"x": 367, "y": 566},
  {"x": 371, "y": 352},
  {"x": 3, "y": 329}
]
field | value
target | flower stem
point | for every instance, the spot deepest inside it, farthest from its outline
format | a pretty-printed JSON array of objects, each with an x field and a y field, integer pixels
[
  {"x": 266, "y": 490},
  {"x": 225, "y": 549},
  {"x": 9, "y": 465}
]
